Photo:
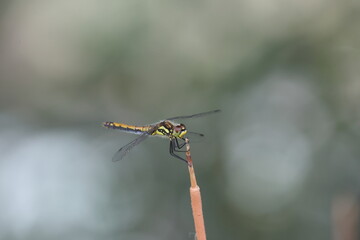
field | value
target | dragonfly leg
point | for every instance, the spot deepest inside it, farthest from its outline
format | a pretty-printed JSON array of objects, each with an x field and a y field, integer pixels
[
  {"x": 182, "y": 145},
  {"x": 178, "y": 146},
  {"x": 173, "y": 148}
]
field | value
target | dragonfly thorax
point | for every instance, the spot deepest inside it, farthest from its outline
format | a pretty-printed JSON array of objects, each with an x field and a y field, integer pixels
[{"x": 171, "y": 130}]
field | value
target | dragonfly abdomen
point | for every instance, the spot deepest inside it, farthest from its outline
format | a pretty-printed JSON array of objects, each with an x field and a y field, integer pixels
[{"x": 126, "y": 128}]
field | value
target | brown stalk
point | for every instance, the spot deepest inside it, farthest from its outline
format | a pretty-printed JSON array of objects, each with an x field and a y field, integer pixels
[{"x": 195, "y": 196}]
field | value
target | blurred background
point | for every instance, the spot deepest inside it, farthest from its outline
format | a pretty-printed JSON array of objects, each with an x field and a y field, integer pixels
[{"x": 281, "y": 160}]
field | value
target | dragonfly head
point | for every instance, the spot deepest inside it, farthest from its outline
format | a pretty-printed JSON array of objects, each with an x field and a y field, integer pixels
[{"x": 179, "y": 130}]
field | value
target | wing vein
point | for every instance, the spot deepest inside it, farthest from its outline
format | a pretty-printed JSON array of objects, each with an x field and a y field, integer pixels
[
  {"x": 120, "y": 154},
  {"x": 194, "y": 115}
]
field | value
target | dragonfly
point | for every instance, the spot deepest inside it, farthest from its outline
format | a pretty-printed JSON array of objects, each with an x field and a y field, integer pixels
[{"x": 167, "y": 128}]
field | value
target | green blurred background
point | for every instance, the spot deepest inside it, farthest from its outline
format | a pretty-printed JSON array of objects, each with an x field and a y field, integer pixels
[{"x": 281, "y": 161}]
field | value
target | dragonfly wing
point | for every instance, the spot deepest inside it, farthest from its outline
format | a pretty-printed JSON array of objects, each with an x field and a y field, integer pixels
[
  {"x": 120, "y": 154},
  {"x": 195, "y": 137},
  {"x": 196, "y": 134},
  {"x": 194, "y": 115}
]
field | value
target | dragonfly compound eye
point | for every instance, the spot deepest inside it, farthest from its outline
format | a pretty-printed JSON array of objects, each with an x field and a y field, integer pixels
[
  {"x": 178, "y": 128},
  {"x": 182, "y": 131}
]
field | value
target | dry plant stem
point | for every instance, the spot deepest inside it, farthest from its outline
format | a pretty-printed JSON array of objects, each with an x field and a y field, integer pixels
[
  {"x": 345, "y": 217},
  {"x": 195, "y": 196}
]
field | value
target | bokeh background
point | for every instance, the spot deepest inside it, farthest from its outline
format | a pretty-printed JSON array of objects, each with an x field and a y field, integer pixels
[{"x": 281, "y": 161}]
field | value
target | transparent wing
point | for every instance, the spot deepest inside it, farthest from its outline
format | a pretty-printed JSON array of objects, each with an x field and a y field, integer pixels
[
  {"x": 120, "y": 154},
  {"x": 195, "y": 134},
  {"x": 194, "y": 115},
  {"x": 195, "y": 137}
]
